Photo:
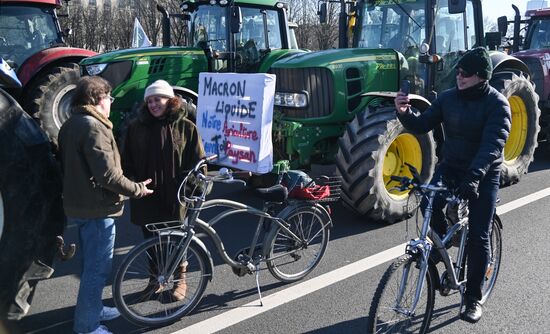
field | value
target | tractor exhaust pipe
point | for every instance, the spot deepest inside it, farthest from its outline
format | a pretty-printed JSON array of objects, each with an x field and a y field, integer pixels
[
  {"x": 165, "y": 25},
  {"x": 517, "y": 22},
  {"x": 343, "y": 26}
]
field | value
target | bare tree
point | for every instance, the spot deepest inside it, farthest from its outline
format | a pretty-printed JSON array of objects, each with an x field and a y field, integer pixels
[{"x": 111, "y": 27}]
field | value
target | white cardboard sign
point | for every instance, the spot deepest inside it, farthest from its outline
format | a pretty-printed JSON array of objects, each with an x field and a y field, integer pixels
[{"x": 234, "y": 118}]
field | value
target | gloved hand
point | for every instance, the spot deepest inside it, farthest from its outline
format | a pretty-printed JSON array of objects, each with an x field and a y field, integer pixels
[{"x": 468, "y": 189}]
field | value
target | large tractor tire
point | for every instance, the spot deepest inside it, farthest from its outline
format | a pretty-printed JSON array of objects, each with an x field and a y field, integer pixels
[
  {"x": 522, "y": 142},
  {"x": 374, "y": 147},
  {"x": 50, "y": 100},
  {"x": 31, "y": 212}
]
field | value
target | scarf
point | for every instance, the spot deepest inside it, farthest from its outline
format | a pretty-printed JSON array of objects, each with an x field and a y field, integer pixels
[
  {"x": 474, "y": 92},
  {"x": 161, "y": 164}
]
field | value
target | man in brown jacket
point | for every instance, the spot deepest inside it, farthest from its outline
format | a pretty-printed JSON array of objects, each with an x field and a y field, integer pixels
[{"x": 93, "y": 195}]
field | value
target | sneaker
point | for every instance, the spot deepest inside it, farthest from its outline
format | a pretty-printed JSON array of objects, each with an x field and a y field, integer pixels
[
  {"x": 108, "y": 313},
  {"x": 100, "y": 330},
  {"x": 473, "y": 312}
]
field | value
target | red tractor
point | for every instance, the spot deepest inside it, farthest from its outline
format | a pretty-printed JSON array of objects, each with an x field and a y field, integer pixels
[
  {"x": 534, "y": 50},
  {"x": 40, "y": 71},
  {"x": 31, "y": 42}
]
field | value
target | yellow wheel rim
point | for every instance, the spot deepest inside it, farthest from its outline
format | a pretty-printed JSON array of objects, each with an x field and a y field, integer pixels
[
  {"x": 518, "y": 134},
  {"x": 404, "y": 149}
]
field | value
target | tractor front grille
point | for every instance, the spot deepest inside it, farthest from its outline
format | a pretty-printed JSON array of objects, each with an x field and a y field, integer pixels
[{"x": 317, "y": 82}]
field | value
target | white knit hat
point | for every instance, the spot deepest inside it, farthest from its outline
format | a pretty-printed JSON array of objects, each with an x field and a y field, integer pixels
[{"x": 159, "y": 87}]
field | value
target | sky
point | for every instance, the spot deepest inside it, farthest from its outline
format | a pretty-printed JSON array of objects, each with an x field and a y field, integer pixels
[{"x": 495, "y": 8}]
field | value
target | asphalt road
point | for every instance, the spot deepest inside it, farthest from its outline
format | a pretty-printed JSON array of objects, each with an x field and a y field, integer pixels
[{"x": 336, "y": 297}]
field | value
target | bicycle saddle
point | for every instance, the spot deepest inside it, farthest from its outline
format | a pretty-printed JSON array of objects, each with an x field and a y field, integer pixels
[{"x": 276, "y": 193}]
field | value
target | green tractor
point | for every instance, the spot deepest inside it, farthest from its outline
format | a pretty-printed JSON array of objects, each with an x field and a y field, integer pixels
[
  {"x": 348, "y": 116},
  {"x": 245, "y": 36}
]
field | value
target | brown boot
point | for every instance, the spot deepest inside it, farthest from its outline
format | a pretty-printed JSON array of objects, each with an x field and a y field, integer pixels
[{"x": 180, "y": 287}]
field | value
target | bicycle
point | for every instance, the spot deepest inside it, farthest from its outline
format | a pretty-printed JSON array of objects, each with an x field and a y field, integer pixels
[
  {"x": 291, "y": 243},
  {"x": 404, "y": 299}
]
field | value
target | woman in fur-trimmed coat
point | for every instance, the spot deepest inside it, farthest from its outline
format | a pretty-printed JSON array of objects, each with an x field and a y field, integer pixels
[{"x": 163, "y": 144}]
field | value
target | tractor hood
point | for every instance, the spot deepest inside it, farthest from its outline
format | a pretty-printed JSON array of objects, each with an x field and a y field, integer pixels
[
  {"x": 131, "y": 71},
  {"x": 337, "y": 58},
  {"x": 319, "y": 75},
  {"x": 538, "y": 62},
  {"x": 137, "y": 53}
]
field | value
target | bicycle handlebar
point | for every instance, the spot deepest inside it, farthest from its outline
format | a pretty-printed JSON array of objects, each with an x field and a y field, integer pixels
[{"x": 414, "y": 184}]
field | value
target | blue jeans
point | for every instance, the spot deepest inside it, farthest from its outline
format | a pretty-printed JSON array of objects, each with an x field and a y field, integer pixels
[
  {"x": 97, "y": 241},
  {"x": 479, "y": 223}
]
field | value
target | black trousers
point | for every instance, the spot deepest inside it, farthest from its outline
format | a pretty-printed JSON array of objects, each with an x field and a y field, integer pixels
[{"x": 480, "y": 218}]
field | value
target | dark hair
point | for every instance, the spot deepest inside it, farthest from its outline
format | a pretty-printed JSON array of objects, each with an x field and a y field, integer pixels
[
  {"x": 173, "y": 105},
  {"x": 90, "y": 90}
]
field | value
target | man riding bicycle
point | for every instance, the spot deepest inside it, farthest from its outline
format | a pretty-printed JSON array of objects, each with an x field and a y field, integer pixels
[{"x": 476, "y": 120}]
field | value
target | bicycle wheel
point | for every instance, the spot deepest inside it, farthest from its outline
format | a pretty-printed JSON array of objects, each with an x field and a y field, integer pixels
[
  {"x": 290, "y": 260},
  {"x": 387, "y": 317},
  {"x": 142, "y": 292},
  {"x": 491, "y": 273}
]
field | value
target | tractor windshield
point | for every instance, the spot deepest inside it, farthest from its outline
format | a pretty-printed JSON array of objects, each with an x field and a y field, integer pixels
[
  {"x": 538, "y": 36},
  {"x": 25, "y": 31},
  {"x": 394, "y": 24},
  {"x": 261, "y": 31},
  {"x": 208, "y": 27},
  {"x": 454, "y": 32},
  {"x": 259, "y": 27}
]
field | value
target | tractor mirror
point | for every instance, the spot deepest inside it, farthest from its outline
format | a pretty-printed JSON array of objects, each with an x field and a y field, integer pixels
[
  {"x": 502, "y": 23},
  {"x": 322, "y": 13},
  {"x": 457, "y": 6},
  {"x": 236, "y": 19}
]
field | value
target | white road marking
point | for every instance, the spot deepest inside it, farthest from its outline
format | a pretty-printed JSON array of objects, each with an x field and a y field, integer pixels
[
  {"x": 502, "y": 209},
  {"x": 279, "y": 298}
]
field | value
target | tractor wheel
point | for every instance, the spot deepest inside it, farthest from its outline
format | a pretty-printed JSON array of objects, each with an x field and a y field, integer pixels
[
  {"x": 521, "y": 144},
  {"x": 374, "y": 147},
  {"x": 31, "y": 212},
  {"x": 51, "y": 99}
]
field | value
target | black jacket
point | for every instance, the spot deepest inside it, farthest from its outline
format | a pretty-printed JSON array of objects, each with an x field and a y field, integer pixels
[
  {"x": 187, "y": 149},
  {"x": 475, "y": 129}
]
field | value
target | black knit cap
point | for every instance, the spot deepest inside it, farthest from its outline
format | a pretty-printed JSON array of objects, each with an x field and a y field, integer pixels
[{"x": 476, "y": 61}]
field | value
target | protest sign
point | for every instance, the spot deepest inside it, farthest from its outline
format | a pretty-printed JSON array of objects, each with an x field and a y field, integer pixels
[{"x": 234, "y": 117}]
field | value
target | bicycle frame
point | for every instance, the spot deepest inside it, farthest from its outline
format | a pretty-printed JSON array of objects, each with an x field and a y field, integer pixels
[
  {"x": 423, "y": 247},
  {"x": 233, "y": 208}
]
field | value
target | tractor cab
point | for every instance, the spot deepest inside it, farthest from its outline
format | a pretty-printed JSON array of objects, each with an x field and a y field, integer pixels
[
  {"x": 404, "y": 25},
  {"x": 538, "y": 32},
  {"x": 27, "y": 29},
  {"x": 236, "y": 38}
]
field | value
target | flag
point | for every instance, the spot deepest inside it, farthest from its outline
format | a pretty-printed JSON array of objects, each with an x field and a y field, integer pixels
[{"x": 139, "y": 38}]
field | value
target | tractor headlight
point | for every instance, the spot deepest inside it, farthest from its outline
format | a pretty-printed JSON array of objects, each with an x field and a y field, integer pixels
[
  {"x": 291, "y": 100},
  {"x": 95, "y": 69}
]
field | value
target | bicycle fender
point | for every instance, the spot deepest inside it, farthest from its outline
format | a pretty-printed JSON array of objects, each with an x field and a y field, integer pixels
[
  {"x": 496, "y": 218},
  {"x": 201, "y": 247}
]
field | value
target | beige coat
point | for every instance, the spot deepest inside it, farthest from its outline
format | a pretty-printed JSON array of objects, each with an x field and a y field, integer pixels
[{"x": 93, "y": 183}]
